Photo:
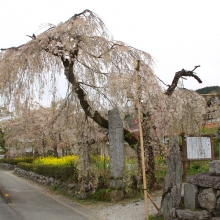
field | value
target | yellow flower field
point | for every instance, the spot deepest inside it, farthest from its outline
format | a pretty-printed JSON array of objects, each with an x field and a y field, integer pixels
[{"x": 62, "y": 161}]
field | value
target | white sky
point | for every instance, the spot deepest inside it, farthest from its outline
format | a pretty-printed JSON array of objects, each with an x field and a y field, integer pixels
[{"x": 178, "y": 34}]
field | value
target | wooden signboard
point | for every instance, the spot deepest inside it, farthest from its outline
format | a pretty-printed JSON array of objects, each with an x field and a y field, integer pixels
[{"x": 199, "y": 148}]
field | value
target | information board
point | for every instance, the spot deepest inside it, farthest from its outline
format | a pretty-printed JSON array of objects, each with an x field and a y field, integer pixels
[{"x": 199, "y": 148}]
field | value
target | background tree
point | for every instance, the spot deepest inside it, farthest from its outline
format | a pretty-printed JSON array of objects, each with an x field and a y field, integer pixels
[
  {"x": 209, "y": 90},
  {"x": 2, "y": 141}
]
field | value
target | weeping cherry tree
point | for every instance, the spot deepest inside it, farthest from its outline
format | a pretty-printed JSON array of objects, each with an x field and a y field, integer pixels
[{"x": 101, "y": 76}]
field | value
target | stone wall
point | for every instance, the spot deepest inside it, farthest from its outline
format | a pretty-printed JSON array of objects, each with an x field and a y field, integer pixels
[
  {"x": 202, "y": 195},
  {"x": 7, "y": 166}
]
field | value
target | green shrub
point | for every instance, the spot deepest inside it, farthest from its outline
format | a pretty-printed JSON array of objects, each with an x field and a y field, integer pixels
[
  {"x": 212, "y": 130},
  {"x": 25, "y": 166},
  {"x": 15, "y": 161},
  {"x": 63, "y": 173},
  {"x": 101, "y": 195},
  {"x": 101, "y": 162},
  {"x": 53, "y": 187}
]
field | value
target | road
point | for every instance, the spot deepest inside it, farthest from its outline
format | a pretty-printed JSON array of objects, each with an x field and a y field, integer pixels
[
  {"x": 6, "y": 212},
  {"x": 33, "y": 202}
]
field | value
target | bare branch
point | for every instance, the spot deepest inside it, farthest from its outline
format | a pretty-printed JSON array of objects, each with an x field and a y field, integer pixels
[
  {"x": 95, "y": 71},
  {"x": 82, "y": 13},
  {"x": 195, "y": 68},
  {"x": 94, "y": 87},
  {"x": 179, "y": 75},
  {"x": 33, "y": 37},
  {"x": 161, "y": 80},
  {"x": 112, "y": 47}
]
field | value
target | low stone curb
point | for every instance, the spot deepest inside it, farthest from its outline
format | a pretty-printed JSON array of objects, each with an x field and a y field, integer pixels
[{"x": 7, "y": 166}]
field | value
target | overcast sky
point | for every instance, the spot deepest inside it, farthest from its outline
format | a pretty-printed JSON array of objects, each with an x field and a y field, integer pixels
[{"x": 178, "y": 34}]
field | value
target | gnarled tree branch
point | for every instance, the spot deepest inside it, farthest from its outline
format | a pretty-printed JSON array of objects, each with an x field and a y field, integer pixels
[{"x": 178, "y": 75}]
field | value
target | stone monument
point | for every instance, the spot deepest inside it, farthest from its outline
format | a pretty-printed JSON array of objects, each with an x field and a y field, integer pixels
[
  {"x": 116, "y": 143},
  {"x": 171, "y": 197}
]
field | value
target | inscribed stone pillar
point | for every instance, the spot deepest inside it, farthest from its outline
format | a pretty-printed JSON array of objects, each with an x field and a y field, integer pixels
[{"x": 116, "y": 143}]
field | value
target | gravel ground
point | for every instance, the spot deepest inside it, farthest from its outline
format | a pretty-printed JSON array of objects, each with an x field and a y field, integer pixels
[{"x": 129, "y": 210}]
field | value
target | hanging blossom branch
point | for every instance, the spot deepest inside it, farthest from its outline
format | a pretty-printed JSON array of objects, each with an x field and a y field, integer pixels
[
  {"x": 97, "y": 89},
  {"x": 12, "y": 48},
  {"x": 181, "y": 74},
  {"x": 161, "y": 80}
]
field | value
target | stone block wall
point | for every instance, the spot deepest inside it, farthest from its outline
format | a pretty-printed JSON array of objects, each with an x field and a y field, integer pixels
[{"x": 202, "y": 192}]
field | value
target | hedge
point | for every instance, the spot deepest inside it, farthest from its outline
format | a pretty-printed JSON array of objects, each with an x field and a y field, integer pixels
[
  {"x": 15, "y": 161},
  {"x": 63, "y": 173}
]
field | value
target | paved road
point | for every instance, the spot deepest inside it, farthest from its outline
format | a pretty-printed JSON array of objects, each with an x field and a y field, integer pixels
[
  {"x": 7, "y": 213},
  {"x": 31, "y": 202}
]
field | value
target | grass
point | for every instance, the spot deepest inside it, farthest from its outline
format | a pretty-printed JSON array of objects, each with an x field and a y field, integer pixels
[
  {"x": 198, "y": 167},
  {"x": 211, "y": 130},
  {"x": 195, "y": 168},
  {"x": 154, "y": 217},
  {"x": 101, "y": 195},
  {"x": 53, "y": 187},
  {"x": 160, "y": 169}
]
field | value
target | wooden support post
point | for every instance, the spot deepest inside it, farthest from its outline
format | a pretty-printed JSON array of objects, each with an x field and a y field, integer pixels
[
  {"x": 146, "y": 194},
  {"x": 137, "y": 66}
]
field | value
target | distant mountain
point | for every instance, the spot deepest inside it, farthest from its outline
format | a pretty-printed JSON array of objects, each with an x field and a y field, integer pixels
[{"x": 209, "y": 89}]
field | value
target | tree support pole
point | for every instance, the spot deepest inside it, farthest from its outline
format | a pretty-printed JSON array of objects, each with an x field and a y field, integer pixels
[
  {"x": 146, "y": 194},
  {"x": 137, "y": 65}
]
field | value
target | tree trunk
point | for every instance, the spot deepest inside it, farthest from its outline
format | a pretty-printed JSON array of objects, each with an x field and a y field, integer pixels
[
  {"x": 150, "y": 167},
  {"x": 139, "y": 165},
  {"x": 86, "y": 179},
  {"x": 148, "y": 151},
  {"x": 55, "y": 151},
  {"x": 43, "y": 144}
]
